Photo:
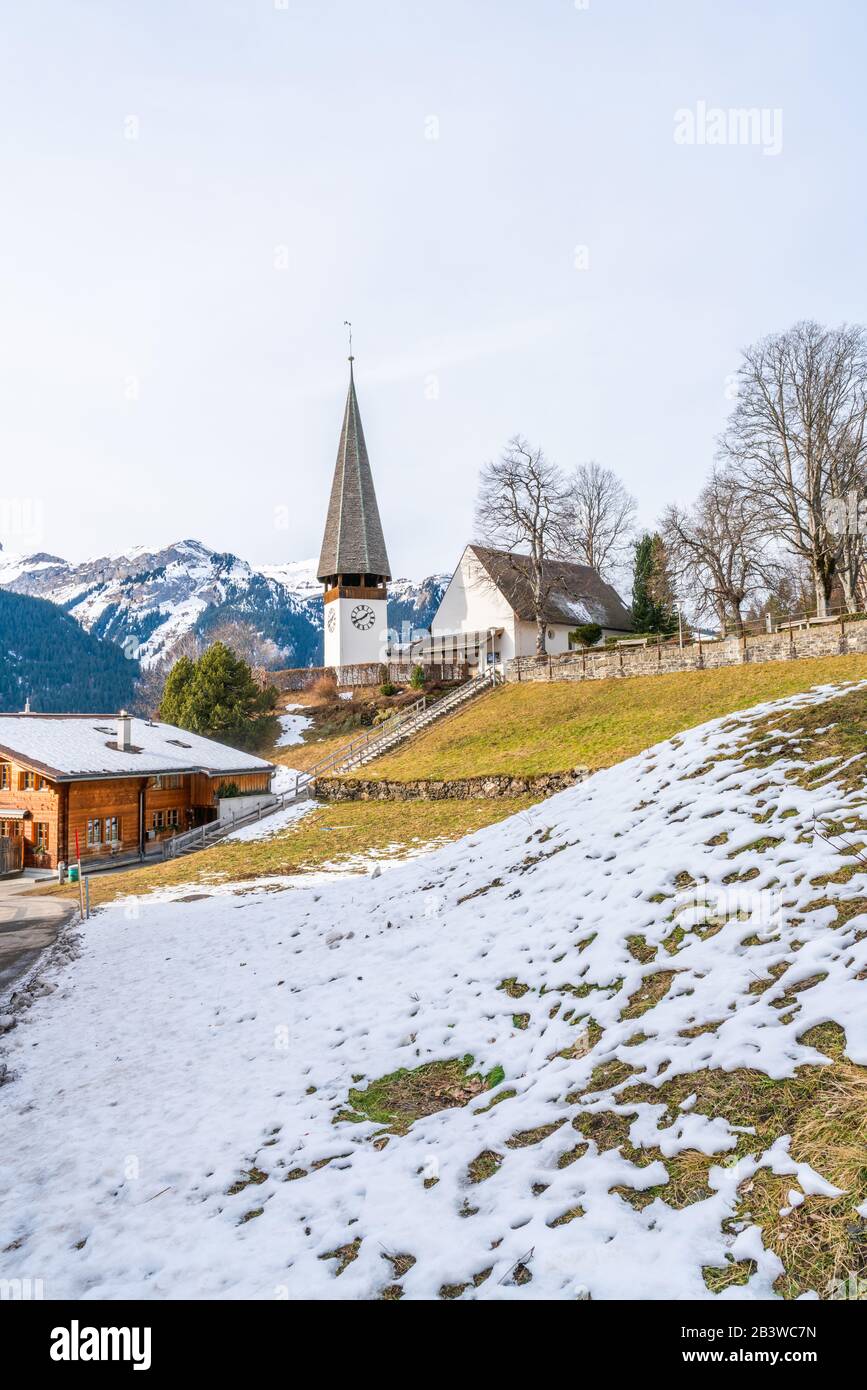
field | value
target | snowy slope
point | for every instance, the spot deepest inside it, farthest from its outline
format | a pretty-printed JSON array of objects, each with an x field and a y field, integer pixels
[{"x": 233, "y": 1028}]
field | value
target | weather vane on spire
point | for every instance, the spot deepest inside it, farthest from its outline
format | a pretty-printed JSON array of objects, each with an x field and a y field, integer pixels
[{"x": 347, "y": 324}]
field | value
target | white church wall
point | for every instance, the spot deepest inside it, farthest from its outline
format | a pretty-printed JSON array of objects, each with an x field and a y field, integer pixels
[
  {"x": 556, "y": 638},
  {"x": 473, "y": 603}
]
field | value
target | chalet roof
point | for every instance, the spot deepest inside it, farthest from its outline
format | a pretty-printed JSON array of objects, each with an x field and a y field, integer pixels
[
  {"x": 353, "y": 542},
  {"x": 577, "y": 594},
  {"x": 73, "y": 747}
]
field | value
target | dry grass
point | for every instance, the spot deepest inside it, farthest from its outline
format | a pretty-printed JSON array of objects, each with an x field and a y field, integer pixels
[
  {"x": 332, "y": 836},
  {"x": 829, "y": 738},
  {"x": 824, "y": 1110},
  {"x": 536, "y": 728}
]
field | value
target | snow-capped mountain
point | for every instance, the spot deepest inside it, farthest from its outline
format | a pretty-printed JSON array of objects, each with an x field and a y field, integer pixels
[{"x": 148, "y": 600}]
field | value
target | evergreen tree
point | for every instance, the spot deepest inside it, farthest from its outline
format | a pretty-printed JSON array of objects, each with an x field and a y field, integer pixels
[
  {"x": 176, "y": 693},
  {"x": 217, "y": 696},
  {"x": 654, "y": 607}
]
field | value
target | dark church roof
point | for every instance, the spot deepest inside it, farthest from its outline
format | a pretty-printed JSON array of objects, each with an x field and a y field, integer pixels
[
  {"x": 353, "y": 542},
  {"x": 576, "y": 593}
]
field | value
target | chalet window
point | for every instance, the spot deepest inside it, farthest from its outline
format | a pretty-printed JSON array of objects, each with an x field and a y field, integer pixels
[
  {"x": 165, "y": 782},
  {"x": 5, "y": 777},
  {"x": 10, "y": 829},
  {"x": 112, "y": 829},
  {"x": 94, "y": 831},
  {"x": 27, "y": 781},
  {"x": 159, "y": 820},
  {"x": 40, "y": 836},
  {"x": 172, "y": 817}
]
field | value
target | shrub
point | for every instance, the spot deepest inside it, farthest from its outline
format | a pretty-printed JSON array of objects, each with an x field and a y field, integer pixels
[
  {"x": 388, "y": 689},
  {"x": 324, "y": 688},
  {"x": 417, "y": 679},
  {"x": 228, "y": 789},
  {"x": 586, "y": 634}
]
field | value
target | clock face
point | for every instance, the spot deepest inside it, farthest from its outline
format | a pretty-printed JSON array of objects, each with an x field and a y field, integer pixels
[
  {"x": 332, "y": 619},
  {"x": 363, "y": 617}
]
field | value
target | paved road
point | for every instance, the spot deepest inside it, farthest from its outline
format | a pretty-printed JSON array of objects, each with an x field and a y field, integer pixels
[{"x": 27, "y": 925}]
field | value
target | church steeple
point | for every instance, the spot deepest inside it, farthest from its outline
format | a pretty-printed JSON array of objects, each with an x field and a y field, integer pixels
[
  {"x": 353, "y": 544},
  {"x": 353, "y": 564}
]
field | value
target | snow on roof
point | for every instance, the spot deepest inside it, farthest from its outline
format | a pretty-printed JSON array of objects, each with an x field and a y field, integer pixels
[
  {"x": 576, "y": 593},
  {"x": 68, "y": 746}
]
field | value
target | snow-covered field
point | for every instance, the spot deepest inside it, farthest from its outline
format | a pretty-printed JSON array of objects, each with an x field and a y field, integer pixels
[{"x": 192, "y": 1042}]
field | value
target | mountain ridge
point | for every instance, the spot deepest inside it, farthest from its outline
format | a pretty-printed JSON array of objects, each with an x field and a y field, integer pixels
[{"x": 147, "y": 600}]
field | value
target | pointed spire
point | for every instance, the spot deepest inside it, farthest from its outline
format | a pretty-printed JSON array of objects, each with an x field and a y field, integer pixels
[{"x": 353, "y": 542}]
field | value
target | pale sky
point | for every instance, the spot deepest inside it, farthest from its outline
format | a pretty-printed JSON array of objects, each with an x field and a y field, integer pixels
[{"x": 196, "y": 194}]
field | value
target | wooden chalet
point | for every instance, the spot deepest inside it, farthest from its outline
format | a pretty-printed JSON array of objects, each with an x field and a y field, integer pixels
[{"x": 122, "y": 784}]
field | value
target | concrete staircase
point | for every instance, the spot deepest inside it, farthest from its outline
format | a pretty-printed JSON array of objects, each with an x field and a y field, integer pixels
[{"x": 399, "y": 728}]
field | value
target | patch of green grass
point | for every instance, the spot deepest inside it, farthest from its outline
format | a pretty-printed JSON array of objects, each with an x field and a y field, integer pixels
[
  {"x": 731, "y": 1274},
  {"x": 640, "y": 950},
  {"x": 253, "y": 1176},
  {"x": 514, "y": 988},
  {"x": 525, "y": 1138},
  {"x": 399, "y": 1099},
  {"x": 653, "y": 988},
  {"x": 565, "y": 1217},
  {"x": 484, "y": 1166},
  {"x": 344, "y": 1255}
]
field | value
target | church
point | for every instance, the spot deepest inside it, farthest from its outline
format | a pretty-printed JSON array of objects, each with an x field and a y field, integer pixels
[
  {"x": 353, "y": 563},
  {"x": 486, "y": 615}
]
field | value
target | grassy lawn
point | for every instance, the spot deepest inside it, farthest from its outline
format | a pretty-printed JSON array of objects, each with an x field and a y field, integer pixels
[
  {"x": 333, "y": 836},
  {"x": 536, "y": 728}
]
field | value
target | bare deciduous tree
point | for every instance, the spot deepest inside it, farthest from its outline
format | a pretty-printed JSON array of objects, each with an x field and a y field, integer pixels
[
  {"x": 149, "y": 689},
  {"x": 718, "y": 549},
  {"x": 797, "y": 437},
  {"x": 601, "y": 518},
  {"x": 522, "y": 509},
  {"x": 245, "y": 641}
]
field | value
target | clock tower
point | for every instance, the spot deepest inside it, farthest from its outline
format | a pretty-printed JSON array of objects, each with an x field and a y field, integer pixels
[{"x": 353, "y": 565}]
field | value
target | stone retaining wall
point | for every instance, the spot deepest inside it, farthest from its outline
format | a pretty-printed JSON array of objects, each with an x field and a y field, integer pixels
[
  {"x": 456, "y": 788},
  {"x": 832, "y": 639}
]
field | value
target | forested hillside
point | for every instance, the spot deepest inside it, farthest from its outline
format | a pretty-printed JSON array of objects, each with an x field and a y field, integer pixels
[{"x": 47, "y": 656}]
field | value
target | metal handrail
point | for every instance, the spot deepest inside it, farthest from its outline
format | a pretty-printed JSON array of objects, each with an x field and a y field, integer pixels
[
  {"x": 371, "y": 736},
  {"x": 347, "y": 754}
]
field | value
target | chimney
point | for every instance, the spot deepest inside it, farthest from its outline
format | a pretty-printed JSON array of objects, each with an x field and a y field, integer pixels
[{"x": 124, "y": 724}]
